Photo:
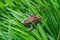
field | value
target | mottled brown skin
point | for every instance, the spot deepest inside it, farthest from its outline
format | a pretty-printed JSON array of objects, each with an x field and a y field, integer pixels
[
  {"x": 31, "y": 18},
  {"x": 34, "y": 18}
]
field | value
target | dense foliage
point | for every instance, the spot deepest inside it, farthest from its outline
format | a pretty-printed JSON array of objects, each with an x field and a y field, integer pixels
[{"x": 13, "y": 13}]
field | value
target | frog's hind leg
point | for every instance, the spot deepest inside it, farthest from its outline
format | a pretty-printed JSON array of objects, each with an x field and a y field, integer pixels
[{"x": 31, "y": 27}]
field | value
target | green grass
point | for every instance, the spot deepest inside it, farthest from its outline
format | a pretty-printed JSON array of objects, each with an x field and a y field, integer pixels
[{"x": 13, "y": 12}]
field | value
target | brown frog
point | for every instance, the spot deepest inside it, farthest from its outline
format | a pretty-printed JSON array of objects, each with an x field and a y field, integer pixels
[{"x": 31, "y": 19}]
